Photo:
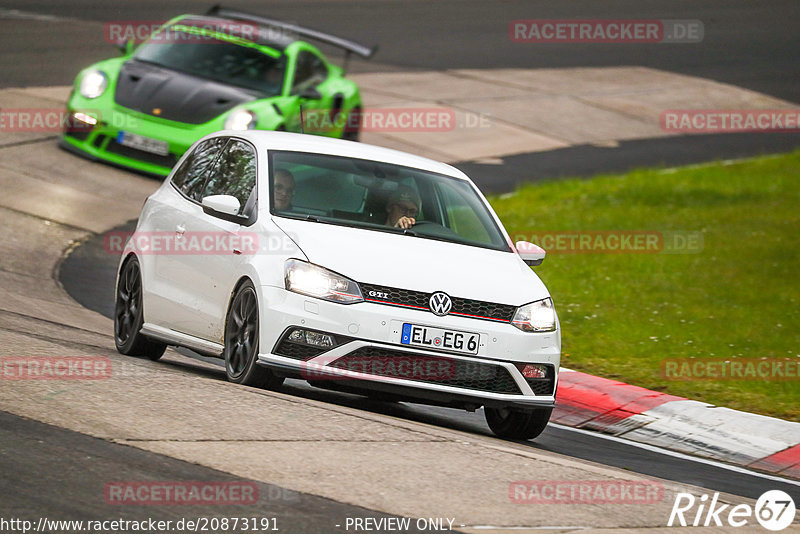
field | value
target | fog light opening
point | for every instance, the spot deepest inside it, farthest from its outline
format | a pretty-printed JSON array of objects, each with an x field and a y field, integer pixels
[
  {"x": 533, "y": 370},
  {"x": 315, "y": 339}
]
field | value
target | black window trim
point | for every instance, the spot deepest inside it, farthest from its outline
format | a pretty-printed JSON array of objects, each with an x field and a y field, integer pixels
[
  {"x": 293, "y": 89},
  {"x": 240, "y": 219}
]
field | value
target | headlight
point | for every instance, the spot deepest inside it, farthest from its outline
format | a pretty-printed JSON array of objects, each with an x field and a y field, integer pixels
[
  {"x": 539, "y": 316},
  {"x": 93, "y": 84},
  {"x": 241, "y": 119},
  {"x": 307, "y": 279}
]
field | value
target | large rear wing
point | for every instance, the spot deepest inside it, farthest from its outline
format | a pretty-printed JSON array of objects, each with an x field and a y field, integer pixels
[{"x": 339, "y": 42}]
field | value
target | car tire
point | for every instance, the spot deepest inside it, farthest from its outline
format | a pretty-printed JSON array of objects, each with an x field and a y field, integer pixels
[
  {"x": 517, "y": 424},
  {"x": 241, "y": 342},
  {"x": 129, "y": 315},
  {"x": 355, "y": 133}
]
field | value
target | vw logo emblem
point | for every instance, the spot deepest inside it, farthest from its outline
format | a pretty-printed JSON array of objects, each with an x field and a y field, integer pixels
[{"x": 440, "y": 303}]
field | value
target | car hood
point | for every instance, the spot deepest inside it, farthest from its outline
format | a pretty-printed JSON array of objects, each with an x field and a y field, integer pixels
[
  {"x": 173, "y": 95},
  {"x": 416, "y": 263}
]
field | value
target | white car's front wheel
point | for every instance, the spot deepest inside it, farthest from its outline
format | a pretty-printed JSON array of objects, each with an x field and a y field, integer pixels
[
  {"x": 517, "y": 424},
  {"x": 241, "y": 342},
  {"x": 129, "y": 315}
]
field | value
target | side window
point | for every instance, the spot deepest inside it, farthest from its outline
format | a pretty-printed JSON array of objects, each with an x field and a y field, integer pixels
[
  {"x": 235, "y": 174},
  {"x": 310, "y": 71},
  {"x": 191, "y": 176}
]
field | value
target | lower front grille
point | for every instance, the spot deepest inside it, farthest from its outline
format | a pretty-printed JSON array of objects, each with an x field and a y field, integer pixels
[
  {"x": 165, "y": 161},
  {"x": 300, "y": 350},
  {"x": 80, "y": 135},
  {"x": 467, "y": 374},
  {"x": 297, "y": 351}
]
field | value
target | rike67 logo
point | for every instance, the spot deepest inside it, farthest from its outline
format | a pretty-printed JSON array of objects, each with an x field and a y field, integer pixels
[{"x": 774, "y": 510}]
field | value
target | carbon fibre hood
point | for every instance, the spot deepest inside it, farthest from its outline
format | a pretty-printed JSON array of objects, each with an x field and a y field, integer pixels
[{"x": 173, "y": 95}]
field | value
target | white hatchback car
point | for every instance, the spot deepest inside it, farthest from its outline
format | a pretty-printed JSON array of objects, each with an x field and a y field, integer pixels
[{"x": 352, "y": 266}]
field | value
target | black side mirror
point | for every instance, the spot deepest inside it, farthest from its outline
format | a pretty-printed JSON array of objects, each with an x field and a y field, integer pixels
[{"x": 125, "y": 46}]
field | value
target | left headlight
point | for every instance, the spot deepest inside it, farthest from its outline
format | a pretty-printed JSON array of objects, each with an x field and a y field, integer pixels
[
  {"x": 93, "y": 84},
  {"x": 539, "y": 316},
  {"x": 241, "y": 119},
  {"x": 308, "y": 279}
]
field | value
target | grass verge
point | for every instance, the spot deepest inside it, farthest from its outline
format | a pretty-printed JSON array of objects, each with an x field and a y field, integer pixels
[{"x": 623, "y": 314}]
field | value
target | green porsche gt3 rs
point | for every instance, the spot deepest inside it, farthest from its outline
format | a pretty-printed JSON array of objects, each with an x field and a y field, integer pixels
[{"x": 199, "y": 74}]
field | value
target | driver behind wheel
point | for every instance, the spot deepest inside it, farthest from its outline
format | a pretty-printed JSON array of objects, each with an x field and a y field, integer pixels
[{"x": 402, "y": 208}]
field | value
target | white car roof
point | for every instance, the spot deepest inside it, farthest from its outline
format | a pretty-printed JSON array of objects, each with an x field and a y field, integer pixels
[{"x": 336, "y": 147}]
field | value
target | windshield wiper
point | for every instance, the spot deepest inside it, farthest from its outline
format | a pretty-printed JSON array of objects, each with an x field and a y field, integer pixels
[{"x": 300, "y": 217}]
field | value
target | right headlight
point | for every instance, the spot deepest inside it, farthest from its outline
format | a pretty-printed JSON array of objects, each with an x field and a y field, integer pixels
[
  {"x": 93, "y": 84},
  {"x": 241, "y": 119},
  {"x": 308, "y": 279},
  {"x": 539, "y": 316}
]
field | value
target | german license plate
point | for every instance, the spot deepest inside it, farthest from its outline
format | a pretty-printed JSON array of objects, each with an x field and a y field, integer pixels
[
  {"x": 140, "y": 142},
  {"x": 439, "y": 338}
]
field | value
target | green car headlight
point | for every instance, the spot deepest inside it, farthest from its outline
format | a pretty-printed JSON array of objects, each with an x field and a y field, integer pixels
[
  {"x": 539, "y": 316},
  {"x": 93, "y": 84},
  {"x": 241, "y": 119},
  {"x": 308, "y": 279}
]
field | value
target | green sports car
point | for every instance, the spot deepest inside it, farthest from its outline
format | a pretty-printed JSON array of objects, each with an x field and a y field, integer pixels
[{"x": 226, "y": 70}]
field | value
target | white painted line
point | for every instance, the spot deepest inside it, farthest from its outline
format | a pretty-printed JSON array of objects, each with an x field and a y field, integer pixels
[
  {"x": 724, "y": 163},
  {"x": 490, "y": 527},
  {"x": 715, "y": 432},
  {"x": 666, "y": 452},
  {"x": 30, "y": 15}
]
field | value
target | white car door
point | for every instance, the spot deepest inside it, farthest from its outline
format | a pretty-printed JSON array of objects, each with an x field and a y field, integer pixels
[
  {"x": 162, "y": 228},
  {"x": 215, "y": 244}
]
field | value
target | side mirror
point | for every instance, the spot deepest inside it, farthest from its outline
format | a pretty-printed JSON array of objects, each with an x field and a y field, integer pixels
[
  {"x": 125, "y": 46},
  {"x": 310, "y": 93},
  {"x": 531, "y": 254},
  {"x": 225, "y": 204}
]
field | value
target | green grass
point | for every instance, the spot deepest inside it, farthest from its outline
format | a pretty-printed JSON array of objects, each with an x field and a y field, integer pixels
[{"x": 622, "y": 314}]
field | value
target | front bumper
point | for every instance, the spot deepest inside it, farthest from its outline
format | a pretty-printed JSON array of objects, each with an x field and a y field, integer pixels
[
  {"x": 100, "y": 142},
  {"x": 371, "y": 328}
]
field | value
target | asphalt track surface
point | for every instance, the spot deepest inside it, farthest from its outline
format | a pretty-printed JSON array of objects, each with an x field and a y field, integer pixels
[
  {"x": 34, "y": 484},
  {"x": 749, "y": 44},
  {"x": 753, "y": 45}
]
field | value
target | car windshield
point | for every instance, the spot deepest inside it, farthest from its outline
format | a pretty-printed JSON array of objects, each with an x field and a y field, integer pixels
[
  {"x": 217, "y": 57},
  {"x": 368, "y": 194}
]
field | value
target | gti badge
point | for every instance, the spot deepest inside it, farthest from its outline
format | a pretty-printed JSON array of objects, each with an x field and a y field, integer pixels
[{"x": 440, "y": 303}]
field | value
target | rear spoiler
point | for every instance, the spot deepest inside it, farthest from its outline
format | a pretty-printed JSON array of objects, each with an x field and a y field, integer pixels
[{"x": 339, "y": 42}]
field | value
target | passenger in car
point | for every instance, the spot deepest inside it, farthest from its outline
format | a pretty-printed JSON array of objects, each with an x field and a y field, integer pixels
[
  {"x": 402, "y": 208},
  {"x": 283, "y": 190}
]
